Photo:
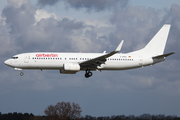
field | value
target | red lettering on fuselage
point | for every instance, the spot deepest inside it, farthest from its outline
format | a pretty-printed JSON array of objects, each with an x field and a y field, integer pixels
[{"x": 46, "y": 55}]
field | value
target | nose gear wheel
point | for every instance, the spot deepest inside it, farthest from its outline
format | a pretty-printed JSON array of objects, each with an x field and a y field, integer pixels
[{"x": 21, "y": 73}]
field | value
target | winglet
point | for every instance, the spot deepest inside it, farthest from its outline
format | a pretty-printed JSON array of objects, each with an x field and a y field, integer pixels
[{"x": 119, "y": 46}]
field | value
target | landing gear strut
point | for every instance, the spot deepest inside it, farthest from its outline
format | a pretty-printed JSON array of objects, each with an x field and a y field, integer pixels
[
  {"x": 21, "y": 73},
  {"x": 88, "y": 73}
]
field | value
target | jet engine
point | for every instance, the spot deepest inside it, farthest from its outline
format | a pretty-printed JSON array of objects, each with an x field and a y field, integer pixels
[{"x": 70, "y": 68}]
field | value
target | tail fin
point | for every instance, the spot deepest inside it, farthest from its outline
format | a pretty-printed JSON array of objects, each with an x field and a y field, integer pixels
[{"x": 157, "y": 44}]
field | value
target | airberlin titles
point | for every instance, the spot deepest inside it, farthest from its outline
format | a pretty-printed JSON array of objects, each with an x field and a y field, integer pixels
[{"x": 46, "y": 55}]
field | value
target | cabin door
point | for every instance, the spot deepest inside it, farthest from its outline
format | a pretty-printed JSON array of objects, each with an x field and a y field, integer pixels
[
  {"x": 140, "y": 60},
  {"x": 26, "y": 58}
]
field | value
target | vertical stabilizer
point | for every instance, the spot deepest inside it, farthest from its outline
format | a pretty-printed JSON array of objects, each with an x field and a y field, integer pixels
[{"x": 157, "y": 44}]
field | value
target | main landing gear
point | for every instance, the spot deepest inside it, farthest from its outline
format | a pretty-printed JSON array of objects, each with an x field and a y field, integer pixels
[{"x": 88, "y": 73}]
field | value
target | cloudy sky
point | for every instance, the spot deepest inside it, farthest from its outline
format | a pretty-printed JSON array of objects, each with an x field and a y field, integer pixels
[{"x": 89, "y": 26}]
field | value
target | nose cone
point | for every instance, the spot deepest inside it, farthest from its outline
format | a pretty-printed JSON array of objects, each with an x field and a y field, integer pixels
[{"x": 7, "y": 62}]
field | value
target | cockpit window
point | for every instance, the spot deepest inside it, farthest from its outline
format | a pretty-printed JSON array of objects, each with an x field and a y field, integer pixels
[{"x": 14, "y": 57}]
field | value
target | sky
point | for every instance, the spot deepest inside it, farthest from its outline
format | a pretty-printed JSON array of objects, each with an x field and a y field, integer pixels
[{"x": 89, "y": 26}]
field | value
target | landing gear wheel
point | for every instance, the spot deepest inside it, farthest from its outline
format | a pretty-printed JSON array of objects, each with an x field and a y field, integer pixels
[
  {"x": 88, "y": 74},
  {"x": 21, "y": 73}
]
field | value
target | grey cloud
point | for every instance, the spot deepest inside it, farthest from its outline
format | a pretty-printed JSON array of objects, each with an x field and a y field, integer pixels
[
  {"x": 134, "y": 24},
  {"x": 6, "y": 46},
  {"x": 47, "y": 35},
  {"x": 67, "y": 24},
  {"x": 46, "y": 2},
  {"x": 97, "y": 5},
  {"x": 51, "y": 35},
  {"x": 57, "y": 34},
  {"x": 19, "y": 18},
  {"x": 137, "y": 25},
  {"x": 173, "y": 17}
]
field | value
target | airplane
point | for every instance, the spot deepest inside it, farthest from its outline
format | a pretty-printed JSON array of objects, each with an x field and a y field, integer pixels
[{"x": 71, "y": 63}]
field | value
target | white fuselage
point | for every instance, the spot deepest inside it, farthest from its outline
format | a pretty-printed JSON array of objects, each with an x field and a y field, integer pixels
[{"x": 57, "y": 60}]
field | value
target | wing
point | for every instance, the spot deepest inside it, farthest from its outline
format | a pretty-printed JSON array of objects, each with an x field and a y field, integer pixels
[{"x": 95, "y": 62}]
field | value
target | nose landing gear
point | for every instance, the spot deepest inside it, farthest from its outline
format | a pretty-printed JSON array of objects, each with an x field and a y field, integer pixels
[
  {"x": 88, "y": 73},
  {"x": 19, "y": 69},
  {"x": 21, "y": 73}
]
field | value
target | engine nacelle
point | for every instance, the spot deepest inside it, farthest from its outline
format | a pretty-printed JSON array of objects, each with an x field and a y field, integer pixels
[
  {"x": 70, "y": 68},
  {"x": 74, "y": 67}
]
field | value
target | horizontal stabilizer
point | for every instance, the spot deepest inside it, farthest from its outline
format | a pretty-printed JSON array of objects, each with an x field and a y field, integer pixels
[{"x": 164, "y": 55}]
